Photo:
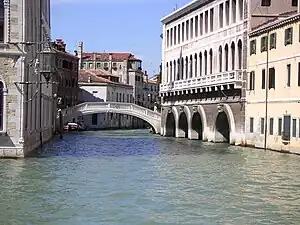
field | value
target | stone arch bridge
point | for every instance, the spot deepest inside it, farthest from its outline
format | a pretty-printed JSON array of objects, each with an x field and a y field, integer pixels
[{"x": 151, "y": 117}]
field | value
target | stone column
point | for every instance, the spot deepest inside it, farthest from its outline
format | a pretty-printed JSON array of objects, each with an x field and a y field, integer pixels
[
  {"x": 4, "y": 122},
  {"x": 21, "y": 75}
]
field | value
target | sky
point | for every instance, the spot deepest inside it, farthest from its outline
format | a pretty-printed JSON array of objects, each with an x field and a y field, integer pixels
[{"x": 113, "y": 26}]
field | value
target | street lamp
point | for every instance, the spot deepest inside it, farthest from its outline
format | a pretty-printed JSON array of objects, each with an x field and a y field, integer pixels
[{"x": 47, "y": 62}]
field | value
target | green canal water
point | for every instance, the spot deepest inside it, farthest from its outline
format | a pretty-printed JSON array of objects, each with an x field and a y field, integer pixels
[{"x": 134, "y": 178}]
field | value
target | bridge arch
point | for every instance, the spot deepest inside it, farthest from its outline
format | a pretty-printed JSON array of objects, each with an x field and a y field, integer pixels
[
  {"x": 149, "y": 116},
  {"x": 225, "y": 125},
  {"x": 198, "y": 123},
  {"x": 183, "y": 124},
  {"x": 171, "y": 122}
]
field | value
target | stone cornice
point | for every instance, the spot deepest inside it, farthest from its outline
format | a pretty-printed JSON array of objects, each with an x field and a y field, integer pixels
[
  {"x": 186, "y": 9},
  {"x": 275, "y": 25}
]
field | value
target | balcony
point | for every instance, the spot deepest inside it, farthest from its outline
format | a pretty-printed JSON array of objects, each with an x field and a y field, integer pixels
[{"x": 231, "y": 77}]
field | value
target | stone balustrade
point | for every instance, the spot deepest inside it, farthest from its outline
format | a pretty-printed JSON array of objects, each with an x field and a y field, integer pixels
[{"x": 203, "y": 81}]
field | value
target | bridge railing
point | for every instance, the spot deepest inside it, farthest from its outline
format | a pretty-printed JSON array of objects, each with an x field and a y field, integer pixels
[{"x": 111, "y": 105}]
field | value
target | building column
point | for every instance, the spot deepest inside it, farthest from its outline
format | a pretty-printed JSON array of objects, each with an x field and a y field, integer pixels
[{"x": 4, "y": 122}]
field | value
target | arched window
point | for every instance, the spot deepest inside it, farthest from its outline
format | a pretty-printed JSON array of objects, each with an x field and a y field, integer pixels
[
  {"x": 226, "y": 57},
  {"x": 1, "y": 106},
  {"x": 210, "y": 61},
  {"x": 191, "y": 66},
  {"x": 240, "y": 48},
  {"x": 220, "y": 58},
  {"x": 200, "y": 63},
  {"x": 205, "y": 63},
  {"x": 232, "y": 56}
]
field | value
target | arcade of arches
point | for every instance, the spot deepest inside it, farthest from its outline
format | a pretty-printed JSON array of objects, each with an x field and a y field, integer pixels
[
  {"x": 227, "y": 57},
  {"x": 182, "y": 126}
]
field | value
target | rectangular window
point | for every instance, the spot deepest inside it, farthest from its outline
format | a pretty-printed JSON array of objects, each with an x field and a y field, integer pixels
[
  {"x": 179, "y": 29},
  {"x": 263, "y": 79},
  {"x": 279, "y": 126},
  {"x": 212, "y": 20},
  {"x": 94, "y": 119},
  {"x": 171, "y": 37},
  {"x": 187, "y": 27},
  {"x": 273, "y": 41},
  {"x": 252, "y": 47},
  {"x": 182, "y": 32},
  {"x": 263, "y": 44},
  {"x": 299, "y": 129},
  {"x": 294, "y": 2},
  {"x": 286, "y": 133},
  {"x": 294, "y": 130},
  {"x": 168, "y": 38},
  {"x": 221, "y": 11},
  {"x": 262, "y": 125},
  {"x": 298, "y": 74},
  {"x": 251, "y": 124},
  {"x": 288, "y": 36},
  {"x": 288, "y": 81},
  {"x": 271, "y": 131},
  {"x": 206, "y": 22},
  {"x": 192, "y": 28},
  {"x": 252, "y": 81},
  {"x": 272, "y": 78},
  {"x": 265, "y": 2},
  {"x": 196, "y": 26},
  {"x": 98, "y": 65},
  {"x": 175, "y": 37},
  {"x": 201, "y": 24}
]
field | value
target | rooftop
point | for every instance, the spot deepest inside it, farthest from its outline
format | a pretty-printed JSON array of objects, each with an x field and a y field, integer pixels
[
  {"x": 60, "y": 47},
  {"x": 274, "y": 24},
  {"x": 186, "y": 9},
  {"x": 97, "y": 76},
  {"x": 106, "y": 56}
]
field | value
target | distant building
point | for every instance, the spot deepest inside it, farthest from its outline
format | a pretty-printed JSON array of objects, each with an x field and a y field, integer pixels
[
  {"x": 95, "y": 88},
  {"x": 151, "y": 91},
  {"x": 281, "y": 79},
  {"x": 122, "y": 64},
  {"x": 66, "y": 75}
]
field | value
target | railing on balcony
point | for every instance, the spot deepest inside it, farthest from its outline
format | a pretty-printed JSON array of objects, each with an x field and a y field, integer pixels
[{"x": 203, "y": 81}]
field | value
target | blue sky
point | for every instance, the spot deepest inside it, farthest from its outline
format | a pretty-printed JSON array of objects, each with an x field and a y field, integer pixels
[{"x": 113, "y": 25}]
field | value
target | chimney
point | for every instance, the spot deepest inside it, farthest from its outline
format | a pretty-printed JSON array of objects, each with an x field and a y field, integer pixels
[
  {"x": 79, "y": 54},
  {"x": 110, "y": 63},
  {"x": 298, "y": 6}
]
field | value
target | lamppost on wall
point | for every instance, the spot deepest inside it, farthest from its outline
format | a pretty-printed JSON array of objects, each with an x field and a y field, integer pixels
[{"x": 44, "y": 66}]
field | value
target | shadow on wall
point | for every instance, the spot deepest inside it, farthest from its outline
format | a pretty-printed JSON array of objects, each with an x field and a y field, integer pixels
[
  {"x": 85, "y": 96},
  {"x": 5, "y": 141}
]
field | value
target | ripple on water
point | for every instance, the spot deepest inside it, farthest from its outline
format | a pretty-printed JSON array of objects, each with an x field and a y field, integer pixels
[{"x": 131, "y": 177}]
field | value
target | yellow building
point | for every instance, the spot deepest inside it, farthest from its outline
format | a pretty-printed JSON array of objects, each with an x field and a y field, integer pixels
[{"x": 274, "y": 74}]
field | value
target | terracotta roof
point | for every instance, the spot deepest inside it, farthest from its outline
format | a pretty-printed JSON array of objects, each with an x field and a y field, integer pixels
[
  {"x": 104, "y": 56},
  {"x": 274, "y": 25},
  {"x": 87, "y": 76}
]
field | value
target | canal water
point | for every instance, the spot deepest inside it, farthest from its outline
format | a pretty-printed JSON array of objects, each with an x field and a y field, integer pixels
[{"x": 134, "y": 178}]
